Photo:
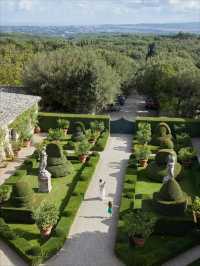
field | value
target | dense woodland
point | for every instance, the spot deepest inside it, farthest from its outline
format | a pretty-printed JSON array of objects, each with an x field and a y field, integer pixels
[{"x": 85, "y": 73}]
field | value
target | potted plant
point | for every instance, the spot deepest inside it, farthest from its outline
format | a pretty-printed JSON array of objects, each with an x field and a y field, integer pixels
[
  {"x": 46, "y": 216},
  {"x": 82, "y": 149},
  {"x": 16, "y": 145},
  {"x": 144, "y": 133},
  {"x": 64, "y": 125},
  {"x": 55, "y": 134},
  {"x": 142, "y": 154},
  {"x": 140, "y": 225},
  {"x": 196, "y": 209},
  {"x": 185, "y": 155},
  {"x": 26, "y": 137},
  {"x": 37, "y": 128}
]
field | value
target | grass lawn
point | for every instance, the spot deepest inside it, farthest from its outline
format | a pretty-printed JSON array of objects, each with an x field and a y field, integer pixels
[{"x": 60, "y": 187}]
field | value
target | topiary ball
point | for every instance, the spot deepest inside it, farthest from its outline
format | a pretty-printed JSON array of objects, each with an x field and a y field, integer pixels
[{"x": 22, "y": 194}]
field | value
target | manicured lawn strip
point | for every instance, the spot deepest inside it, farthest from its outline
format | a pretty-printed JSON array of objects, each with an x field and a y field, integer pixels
[{"x": 70, "y": 206}]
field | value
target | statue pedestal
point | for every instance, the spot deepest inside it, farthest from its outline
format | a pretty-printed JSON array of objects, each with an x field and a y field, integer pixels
[{"x": 44, "y": 181}]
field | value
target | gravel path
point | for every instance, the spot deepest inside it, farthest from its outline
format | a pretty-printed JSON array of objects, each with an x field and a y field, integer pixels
[{"x": 92, "y": 235}]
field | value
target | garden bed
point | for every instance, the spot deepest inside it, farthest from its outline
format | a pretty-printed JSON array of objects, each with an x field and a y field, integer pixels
[{"x": 172, "y": 235}]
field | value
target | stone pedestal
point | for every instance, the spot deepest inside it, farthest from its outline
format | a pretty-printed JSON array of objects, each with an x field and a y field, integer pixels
[{"x": 44, "y": 181}]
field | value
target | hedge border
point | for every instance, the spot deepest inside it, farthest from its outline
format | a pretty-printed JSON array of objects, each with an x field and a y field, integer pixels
[
  {"x": 130, "y": 180},
  {"x": 49, "y": 120},
  {"x": 72, "y": 204},
  {"x": 192, "y": 125}
]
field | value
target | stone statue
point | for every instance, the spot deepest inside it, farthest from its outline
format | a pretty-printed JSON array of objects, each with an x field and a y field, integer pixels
[
  {"x": 170, "y": 168},
  {"x": 44, "y": 178},
  {"x": 43, "y": 159}
]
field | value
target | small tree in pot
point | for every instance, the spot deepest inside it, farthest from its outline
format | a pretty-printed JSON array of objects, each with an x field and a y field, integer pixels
[
  {"x": 140, "y": 225},
  {"x": 26, "y": 137},
  {"x": 196, "y": 209},
  {"x": 142, "y": 154},
  {"x": 185, "y": 155},
  {"x": 46, "y": 216},
  {"x": 144, "y": 133},
  {"x": 64, "y": 125},
  {"x": 82, "y": 149}
]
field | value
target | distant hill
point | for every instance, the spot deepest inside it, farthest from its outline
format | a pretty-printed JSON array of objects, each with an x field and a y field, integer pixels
[{"x": 66, "y": 31}]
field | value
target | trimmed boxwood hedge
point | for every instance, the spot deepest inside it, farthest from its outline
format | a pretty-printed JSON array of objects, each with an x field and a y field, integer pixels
[
  {"x": 192, "y": 125},
  {"x": 101, "y": 142},
  {"x": 70, "y": 207},
  {"x": 49, "y": 120}
]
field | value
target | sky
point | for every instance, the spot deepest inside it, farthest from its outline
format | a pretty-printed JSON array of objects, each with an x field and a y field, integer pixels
[{"x": 95, "y": 12}]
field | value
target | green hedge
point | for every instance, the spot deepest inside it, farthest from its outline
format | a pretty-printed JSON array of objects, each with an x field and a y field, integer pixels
[
  {"x": 101, "y": 142},
  {"x": 70, "y": 207},
  {"x": 192, "y": 125},
  {"x": 49, "y": 120}
]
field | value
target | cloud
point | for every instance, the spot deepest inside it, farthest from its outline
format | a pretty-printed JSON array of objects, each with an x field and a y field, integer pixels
[
  {"x": 25, "y": 5},
  {"x": 185, "y": 4}
]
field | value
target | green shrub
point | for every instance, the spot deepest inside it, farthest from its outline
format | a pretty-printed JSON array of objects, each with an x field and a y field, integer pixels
[
  {"x": 179, "y": 128},
  {"x": 101, "y": 142},
  {"x": 142, "y": 152},
  {"x": 20, "y": 173},
  {"x": 183, "y": 140},
  {"x": 82, "y": 147},
  {"x": 55, "y": 134},
  {"x": 5, "y": 193},
  {"x": 170, "y": 200},
  {"x": 5, "y": 231},
  {"x": 49, "y": 120},
  {"x": 78, "y": 132},
  {"x": 140, "y": 223},
  {"x": 187, "y": 153},
  {"x": 45, "y": 215},
  {"x": 30, "y": 163},
  {"x": 60, "y": 233},
  {"x": 22, "y": 194},
  {"x": 63, "y": 123},
  {"x": 166, "y": 143},
  {"x": 57, "y": 164},
  {"x": 143, "y": 135},
  {"x": 70, "y": 145},
  {"x": 34, "y": 251}
]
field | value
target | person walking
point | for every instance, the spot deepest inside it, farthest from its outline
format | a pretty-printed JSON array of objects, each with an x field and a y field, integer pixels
[
  {"x": 102, "y": 191},
  {"x": 110, "y": 208}
]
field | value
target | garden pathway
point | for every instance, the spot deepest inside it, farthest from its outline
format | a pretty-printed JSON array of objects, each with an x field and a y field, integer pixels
[
  {"x": 92, "y": 235},
  {"x": 23, "y": 154},
  {"x": 186, "y": 258},
  {"x": 9, "y": 257}
]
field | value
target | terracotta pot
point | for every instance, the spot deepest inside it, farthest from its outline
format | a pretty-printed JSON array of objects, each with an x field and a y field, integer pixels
[
  {"x": 37, "y": 130},
  {"x": 139, "y": 242},
  {"x": 16, "y": 152},
  {"x": 27, "y": 143},
  {"x": 143, "y": 163},
  {"x": 83, "y": 158},
  {"x": 47, "y": 231},
  {"x": 65, "y": 131}
]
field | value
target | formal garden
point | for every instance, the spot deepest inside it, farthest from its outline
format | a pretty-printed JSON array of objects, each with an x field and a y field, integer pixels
[
  {"x": 38, "y": 203},
  {"x": 160, "y": 204}
]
